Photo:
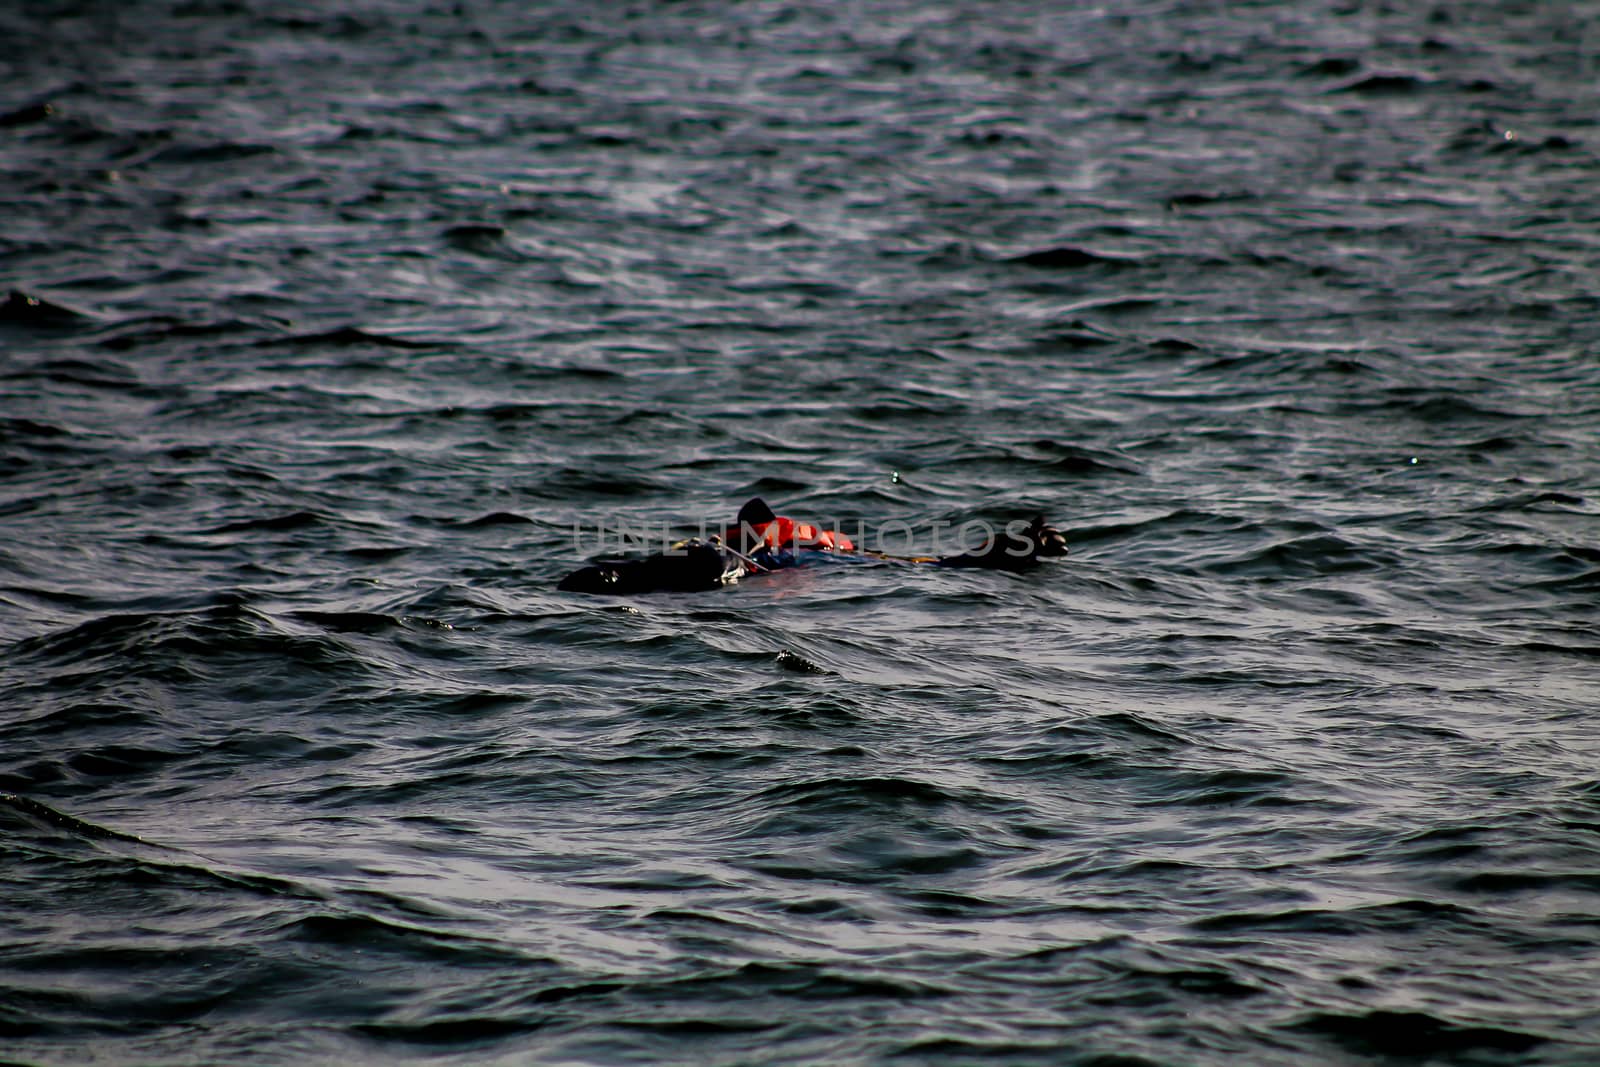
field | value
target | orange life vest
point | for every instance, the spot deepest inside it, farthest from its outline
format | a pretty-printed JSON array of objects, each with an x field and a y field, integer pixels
[{"x": 784, "y": 532}]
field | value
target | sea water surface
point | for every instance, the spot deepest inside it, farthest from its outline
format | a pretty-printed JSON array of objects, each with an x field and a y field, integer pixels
[{"x": 339, "y": 332}]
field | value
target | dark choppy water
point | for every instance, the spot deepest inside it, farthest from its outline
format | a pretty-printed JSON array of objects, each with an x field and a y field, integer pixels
[{"x": 1287, "y": 312}]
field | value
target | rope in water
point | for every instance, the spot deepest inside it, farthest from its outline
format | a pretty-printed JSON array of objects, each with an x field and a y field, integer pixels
[{"x": 740, "y": 556}]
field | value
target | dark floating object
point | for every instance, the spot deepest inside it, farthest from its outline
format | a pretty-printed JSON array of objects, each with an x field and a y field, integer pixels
[
  {"x": 357, "y": 622},
  {"x": 696, "y": 568},
  {"x": 1008, "y": 552},
  {"x": 1332, "y": 67},
  {"x": 26, "y": 116},
  {"x": 782, "y": 543},
  {"x": 470, "y": 234},
  {"x": 1383, "y": 85},
  {"x": 27, "y": 310},
  {"x": 1069, "y": 258},
  {"x": 484, "y": 240},
  {"x": 1202, "y": 199},
  {"x": 1410, "y": 1033},
  {"x": 349, "y": 335}
]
